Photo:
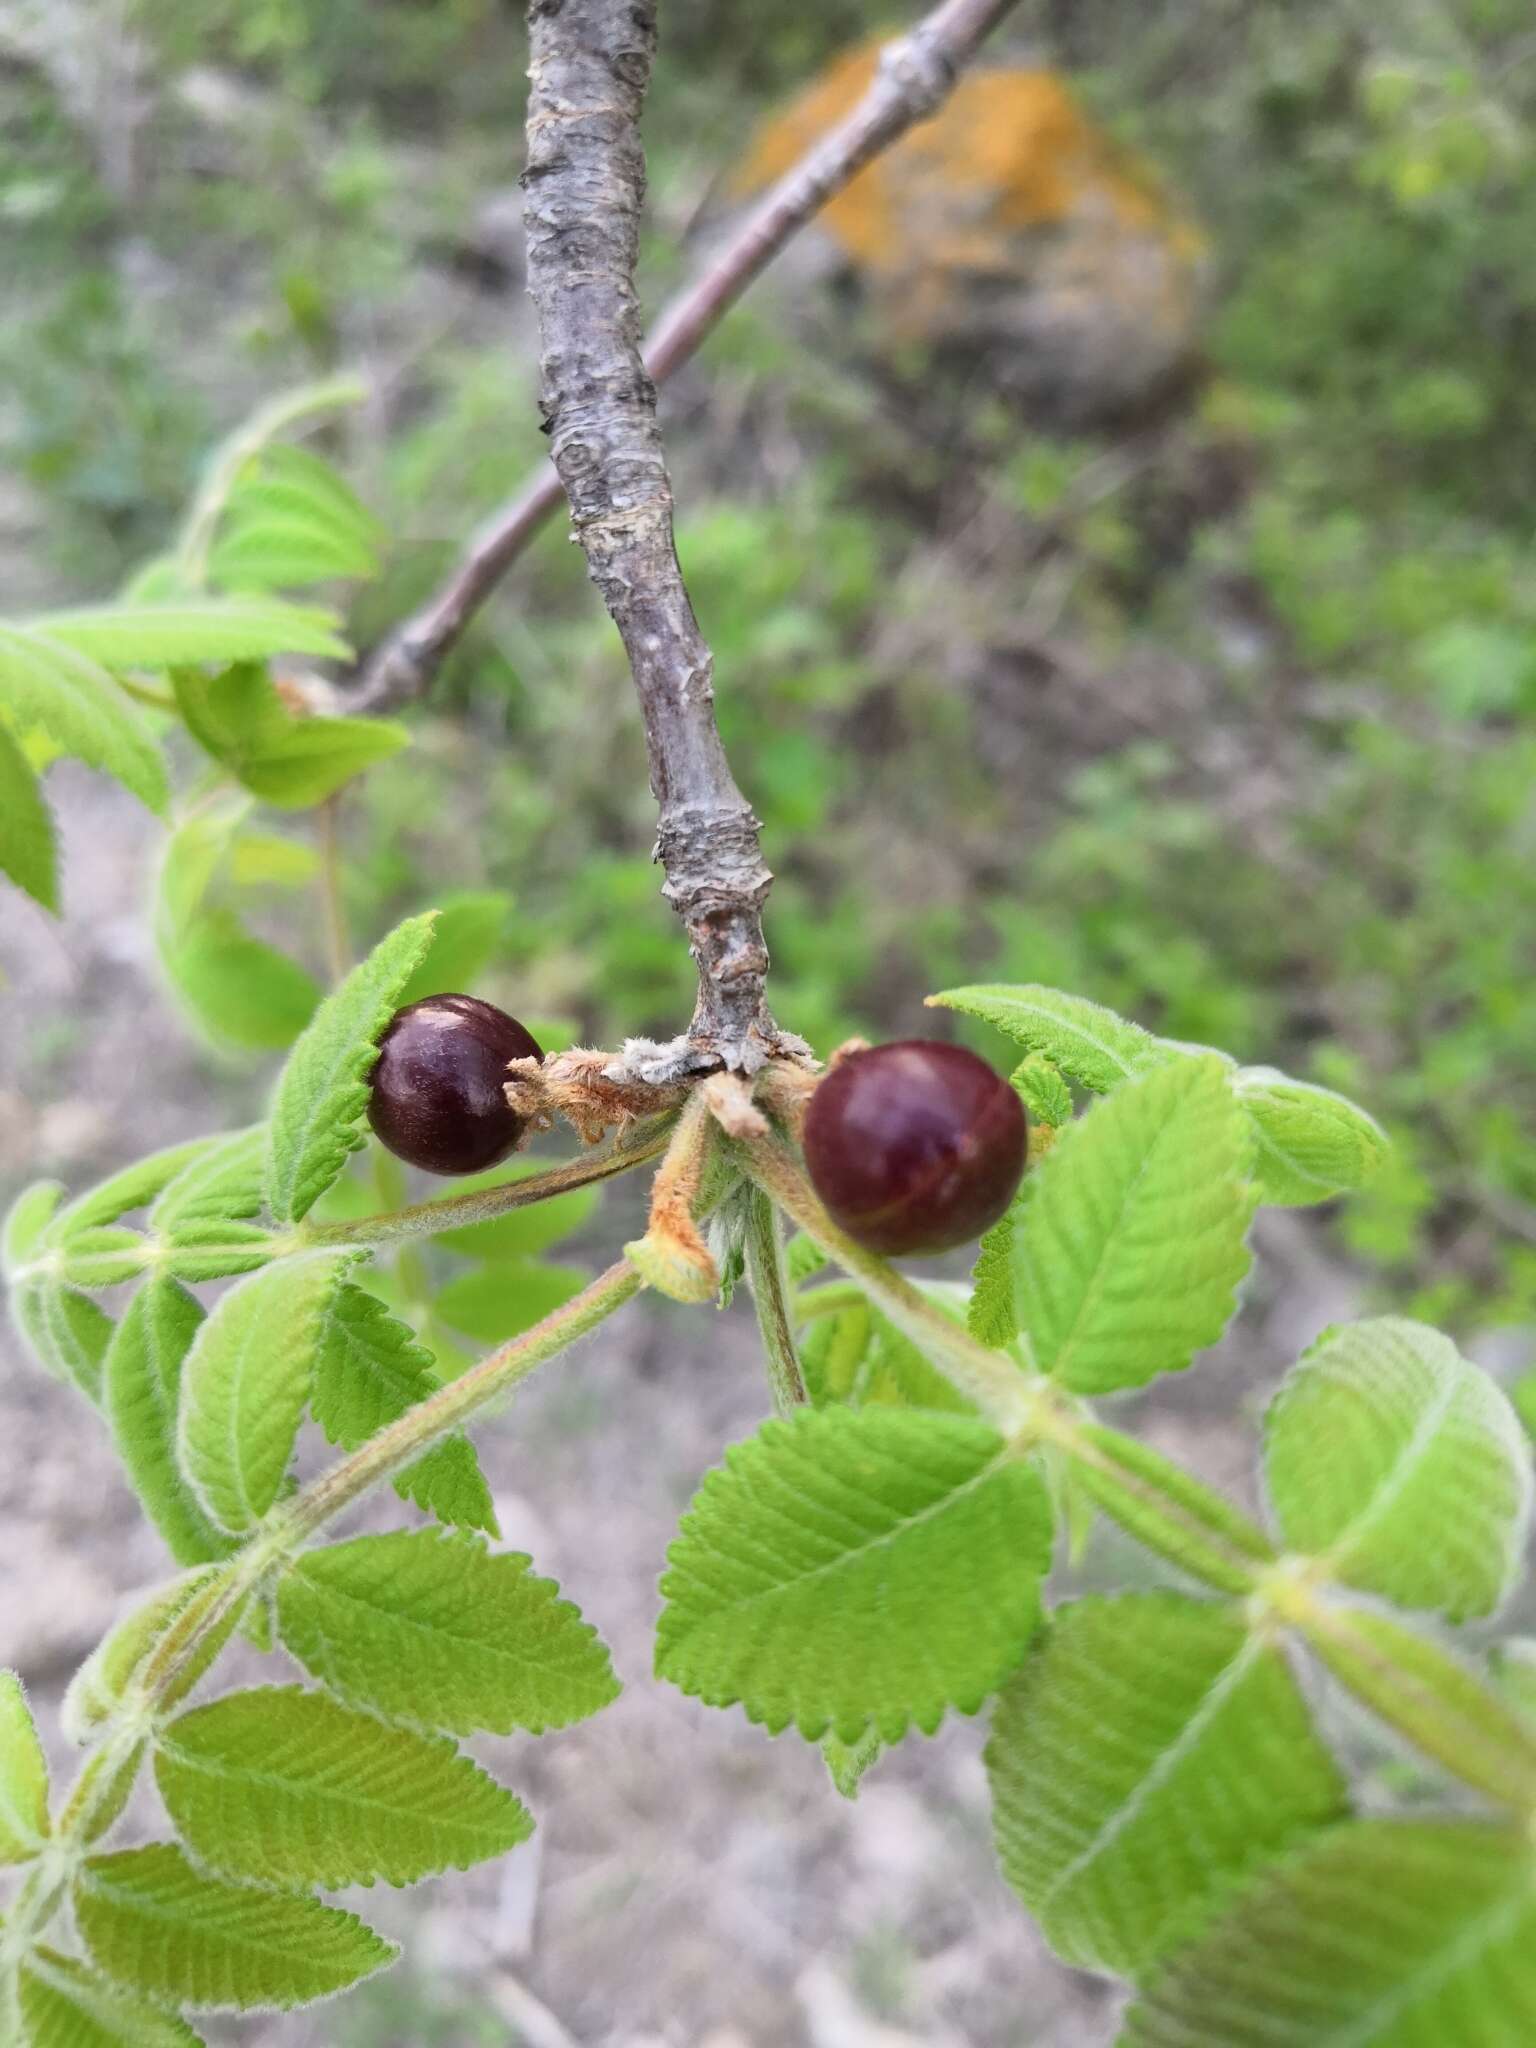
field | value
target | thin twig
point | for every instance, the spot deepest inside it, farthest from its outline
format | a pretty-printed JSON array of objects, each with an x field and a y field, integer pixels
[
  {"x": 584, "y": 185},
  {"x": 916, "y": 75}
]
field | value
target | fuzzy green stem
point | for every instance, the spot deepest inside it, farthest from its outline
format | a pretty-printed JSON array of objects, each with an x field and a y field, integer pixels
[
  {"x": 830, "y": 1299},
  {"x": 998, "y": 1387},
  {"x": 426, "y": 1219},
  {"x": 765, "y": 1277}
]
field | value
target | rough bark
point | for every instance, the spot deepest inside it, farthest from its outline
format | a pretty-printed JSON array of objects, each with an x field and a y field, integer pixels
[{"x": 916, "y": 75}]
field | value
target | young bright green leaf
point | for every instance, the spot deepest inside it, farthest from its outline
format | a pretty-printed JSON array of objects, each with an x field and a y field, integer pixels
[
  {"x": 28, "y": 851},
  {"x": 993, "y": 1315},
  {"x": 1098, "y": 1049},
  {"x": 845, "y": 1571},
  {"x": 299, "y": 478},
  {"x": 27, "y": 1222},
  {"x": 141, "y": 1377},
  {"x": 175, "y": 632},
  {"x": 848, "y": 1761},
  {"x": 224, "y": 1182},
  {"x": 1434, "y": 1697},
  {"x": 291, "y": 1788},
  {"x": 1148, "y": 1756},
  {"x": 238, "y": 989},
  {"x": 1134, "y": 1236},
  {"x": 369, "y": 1371},
  {"x": 1045, "y": 1094},
  {"x": 62, "y": 2004},
  {"x": 1312, "y": 1144},
  {"x": 469, "y": 932},
  {"x": 154, "y": 1922},
  {"x": 134, "y": 1188},
  {"x": 496, "y": 1302},
  {"x": 216, "y": 1251},
  {"x": 67, "y": 1332},
  {"x": 266, "y": 860},
  {"x": 280, "y": 755},
  {"x": 1174, "y": 1514},
  {"x": 835, "y": 1352},
  {"x": 82, "y": 711},
  {"x": 322, "y": 1092},
  {"x": 437, "y": 1630},
  {"x": 100, "y": 1255},
  {"x": 1385, "y": 1432},
  {"x": 244, "y": 1384},
  {"x": 272, "y": 545},
  {"x": 1381, "y": 1934},
  {"x": 97, "y": 1688},
  {"x": 24, "y": 1825}
]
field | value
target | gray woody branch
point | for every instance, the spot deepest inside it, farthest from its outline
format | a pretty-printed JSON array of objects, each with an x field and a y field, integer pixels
[{"x": 915, "y": 77}]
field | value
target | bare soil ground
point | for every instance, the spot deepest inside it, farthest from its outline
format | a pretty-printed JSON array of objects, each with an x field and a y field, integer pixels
[{"x": 692, "y": 1884}]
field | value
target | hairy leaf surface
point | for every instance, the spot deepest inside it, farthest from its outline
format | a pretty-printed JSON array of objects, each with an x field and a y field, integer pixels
[
  {"x": 82, "y": 711},
  {"x": 141, "y": 1378},
  {"x": 28, "y": 851},
  {"x": 1098, "y": 1049},
  {"x": 1311, "y": 1143},
  {"x": 23, "y": 1777},
  {"x": 62, "y": 2004}
]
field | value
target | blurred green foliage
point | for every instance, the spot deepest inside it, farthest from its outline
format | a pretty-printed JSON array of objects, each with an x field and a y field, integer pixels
[{"x": 1227, "y": 722}]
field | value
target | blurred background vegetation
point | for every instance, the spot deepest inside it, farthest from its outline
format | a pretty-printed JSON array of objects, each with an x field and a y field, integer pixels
[{"x": 1223, "y": 713}]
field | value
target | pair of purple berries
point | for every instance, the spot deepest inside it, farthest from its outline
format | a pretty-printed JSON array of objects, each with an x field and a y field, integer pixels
[{"x": 914, "y": 1147}]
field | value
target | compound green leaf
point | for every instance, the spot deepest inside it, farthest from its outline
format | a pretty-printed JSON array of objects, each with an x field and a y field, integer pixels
[
  {"x": 141, "y": 1376},
  {"x": 1311, "y": 1143},
  {"x": 435, "y": 1629},
  {"x": 80, "y": 708},
  {"x": 270, "y": 544},
  {"x": 133, "y": 1188},
  {"x": 1098, "y": 1049},
  {"x": 847, "y": 1571},
  {"x": 1133, "y": 1240},
  {"x": 1384, "y": 1432},
  {"x": 29, "y": 853},
  {"x": 368, "y": 1372},
  {"x": 154, "y": 1922},
  {"x": 244, "y": 1384},
  {"x": 24, "y": 1828},
  {"x": 496, "y": 1302},
  {"x": 281, "y": 756},
  {"x": 62, "y": 2004},
  {"x": 225, "y": 1182},
  {"x": 98, "y": 1687},
  {"x": 1380, "y": 1934},
  {"x": 291, "y": 1788},
  {"x": 322, "y": 1092},
  {"x": 470, "y": 929},
  {"x": 174, "y": 632},
  {"x": 1151, "y": 1753},
  {"x": 66, "y": 1330}
]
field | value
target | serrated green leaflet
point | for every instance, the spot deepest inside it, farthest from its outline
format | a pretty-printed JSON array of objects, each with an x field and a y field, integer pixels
[
  {"x": 141, "y": 1376},
  {"x": 81, "y": 709},
  {"x": 224, "y": 1182},
  {"x": 62, "y": 2004},
  {"x": 833, "y": 1351},
  {"x": 993, "y": 1315},
  {"x": 285, "y": 759},
  {"x": 437, "y": 1630},
  {"x": 1093, "y": 1045},
  {"x": 1385, "y": 1431},
  {"x": 1311, "y": 1143},
  {"x": 1150, "y": 1754},
  {"x": 154, "y": 1922},
  {"x": 843, "y": 1571},
  {"x": 244, "y": 1385},
  {"x": 27, "y": 1221},
  {"x": 1134, "y": 1237},
  {"x": 848, "y": 1761},
  {"x": 271, "y": 544},
  {"x": 1044, "y": 1093},
  {"x": 369, "y": 1371},
  {"x": 323, "y": 1090},
  {"x": 1168, "y": 1509},
  {"x": 501, "y": 1301},
  {"x": 216, "y": 1251},
  {"x": 133, "y": 1188},
  {"x": 23, "y": 1777},
  {"x": 169, "y": 632},
  {"x": 67, "y": 1331},
  {"x": 291, "y": 1788},
  {"x": 28, "y": 853},
  {"x": 98, "y": 1687},
  {"x": 469, "y": 932},
  {"x": 100, "y": 1255},
  {"x": 1382, "y": 1934},
  {"x": 1434, "y": 1697}
]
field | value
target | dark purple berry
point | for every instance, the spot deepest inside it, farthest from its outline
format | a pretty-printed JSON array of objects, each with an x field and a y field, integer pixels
[
  {"x": 916, "y": 1146},
  {"x": 437, "y": 1099}
]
